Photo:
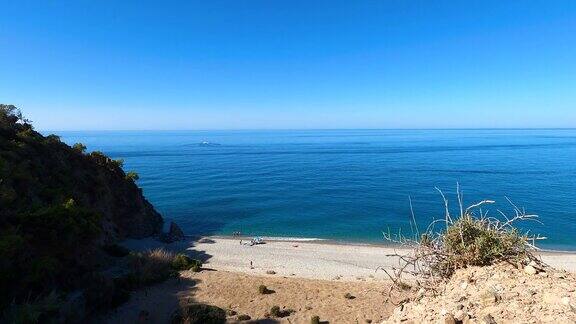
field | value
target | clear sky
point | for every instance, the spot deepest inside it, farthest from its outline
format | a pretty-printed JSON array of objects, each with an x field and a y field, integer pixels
[{"x": 248, "y": 64}]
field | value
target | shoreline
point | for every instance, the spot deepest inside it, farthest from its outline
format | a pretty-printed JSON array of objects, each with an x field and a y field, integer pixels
[
  {"x": 316, "y": 259},
  {"x": 314, "y": 240},
  {"x": 289, "y": 258}
]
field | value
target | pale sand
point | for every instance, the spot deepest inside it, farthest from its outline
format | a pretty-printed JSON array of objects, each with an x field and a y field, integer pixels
[
  {"x": 312, "y": 260},
  {"x": 299, "y": 259},
  {"x": 311, "y": 278}
]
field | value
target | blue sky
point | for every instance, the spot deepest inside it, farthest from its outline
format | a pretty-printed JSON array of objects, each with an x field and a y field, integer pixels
[{"x": 79, "y": 65}]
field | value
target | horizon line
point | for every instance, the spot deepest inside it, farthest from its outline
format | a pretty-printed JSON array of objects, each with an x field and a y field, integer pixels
[{"x": 303, "y": 129}]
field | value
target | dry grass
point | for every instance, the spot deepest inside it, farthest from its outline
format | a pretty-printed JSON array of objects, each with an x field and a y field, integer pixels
[
  {"x": 473, "y": 238},
  {"x": 152, "y": 266},
  {"x": 158, "y": 265}
]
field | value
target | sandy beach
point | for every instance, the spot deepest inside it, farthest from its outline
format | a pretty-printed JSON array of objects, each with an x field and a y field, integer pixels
[
  {"x": 310, "y": 278},
  {"x": 306, "y": 259}
]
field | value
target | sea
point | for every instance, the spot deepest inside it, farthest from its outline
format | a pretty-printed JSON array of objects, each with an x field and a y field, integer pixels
[{"x": 348, "y": 185}]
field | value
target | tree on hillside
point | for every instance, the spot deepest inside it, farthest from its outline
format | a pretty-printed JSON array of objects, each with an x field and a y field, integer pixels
[{"x": 10, "y": 115}]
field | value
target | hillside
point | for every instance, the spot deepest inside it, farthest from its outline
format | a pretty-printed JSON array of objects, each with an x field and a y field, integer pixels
[{"x": 58, "y": 207}]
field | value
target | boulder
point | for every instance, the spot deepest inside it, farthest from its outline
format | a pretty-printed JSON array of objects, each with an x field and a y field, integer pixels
[{"x": 174, "y": 234}]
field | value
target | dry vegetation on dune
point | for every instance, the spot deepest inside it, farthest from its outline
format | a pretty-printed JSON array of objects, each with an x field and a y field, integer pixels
[
  {"x": 479, "y": 269},
  {"x": 154, "y": 266},
  {"x": 473, "y": 238}
]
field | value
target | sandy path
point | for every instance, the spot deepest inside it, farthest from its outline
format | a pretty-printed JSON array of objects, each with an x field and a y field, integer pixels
[
  {"x": 239, "y": 292},
  {"x": 306, "y": 297}
]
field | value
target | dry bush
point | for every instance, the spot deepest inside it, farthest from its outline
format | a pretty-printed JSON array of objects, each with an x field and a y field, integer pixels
[
  {"x": 264, "y": 290},
  {"x": 471, "y": 239},
  {"x": 152, "y": 266}
]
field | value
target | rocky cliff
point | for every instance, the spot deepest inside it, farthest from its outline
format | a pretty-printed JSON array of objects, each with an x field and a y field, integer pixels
[
  {"x": 38, "y": 171},
  {"x": 61, "y": 210}
]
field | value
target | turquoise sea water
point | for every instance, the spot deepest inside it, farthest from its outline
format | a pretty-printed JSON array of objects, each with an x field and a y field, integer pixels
[{"x": 346, "y": 185}]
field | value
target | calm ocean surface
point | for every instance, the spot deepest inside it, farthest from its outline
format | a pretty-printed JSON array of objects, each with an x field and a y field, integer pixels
[{"x": 347, "y": 185}]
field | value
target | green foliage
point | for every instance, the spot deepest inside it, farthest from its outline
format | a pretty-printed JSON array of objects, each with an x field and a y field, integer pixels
[
  {"x": 201, "y": 314},
  {"x": 262, "y": 289},
  {"x": 196, "y": 267},
  {"x": 41, "y": 253},
  {"x": 244, "y": 317},
  {"x": 53, "y": 138},
  {"x": 52, "y": 202},
  {"x": 132, "y": 176},
  {"x": 60, "y": 227},
  {"x": 276, "y": 311},
  {"x": 79, "y": 147},
  {"x": 473, "y": 242},
  {"x": 10, "y": 115},
  {"x": 183, "y": 262},
  {"x": 99, "y": 157},
  {"x": 349, "y": 296},
  {"x": 470, "y": 239},
  {"x": 104, "y": 160},
  {"x": 69, "y": 204},
  {"x": 118, "y": 163}
]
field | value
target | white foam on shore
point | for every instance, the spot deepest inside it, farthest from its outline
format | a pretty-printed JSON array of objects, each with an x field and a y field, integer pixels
[
  {"x": 292, "y": 239},
  {"x": 272, "y": 238}
]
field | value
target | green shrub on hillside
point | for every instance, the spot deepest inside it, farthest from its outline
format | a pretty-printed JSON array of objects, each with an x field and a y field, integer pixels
[
  {"x": 472, "y": 241},
  {"x": 79, "y": 147},
  {"x": 199, "y": 314},
  {"x": 276, "y": 311},
  {"x": 41, "y": 253},
  {"x": 53, "y": 199},
  {"x": 183, "y": 262},
  {"x": 262, "y": 289},
  {"x": 132, "y": 176}
]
